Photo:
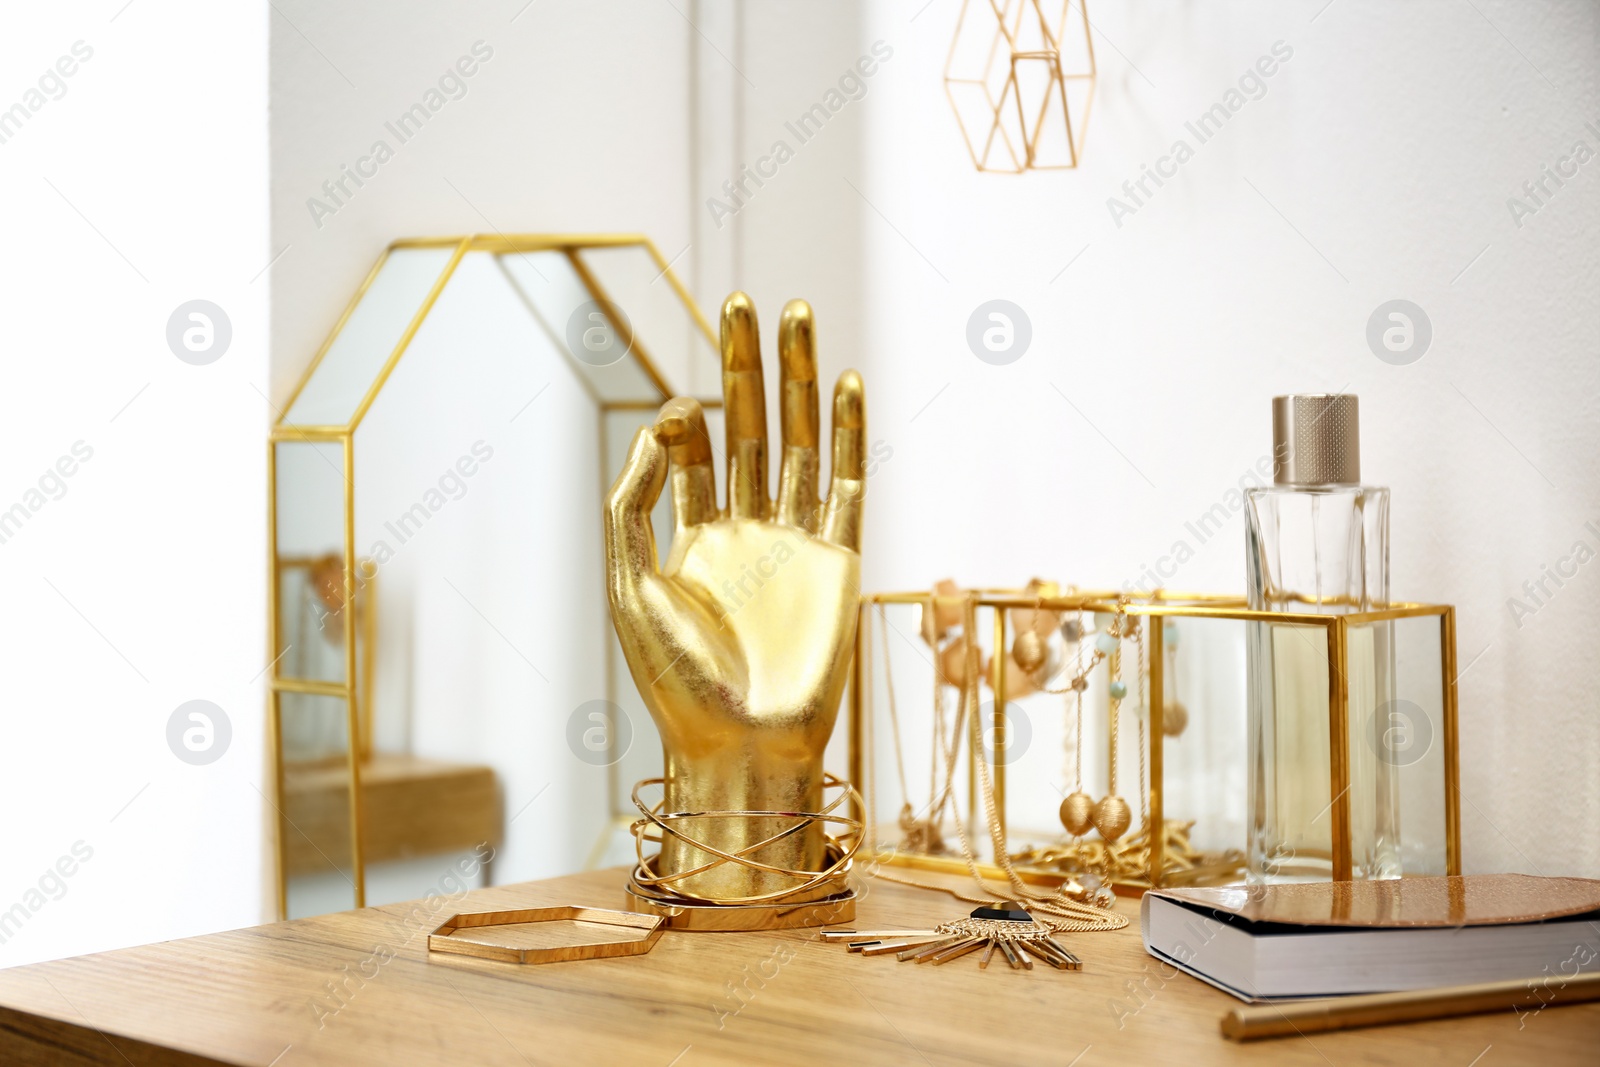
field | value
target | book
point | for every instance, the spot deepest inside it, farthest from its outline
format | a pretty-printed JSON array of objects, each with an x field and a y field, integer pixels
[{"x": 1317, "y": 939}]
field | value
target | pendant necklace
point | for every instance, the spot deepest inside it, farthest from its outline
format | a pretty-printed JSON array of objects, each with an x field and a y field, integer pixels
[{"x": 1018, "y": 928}]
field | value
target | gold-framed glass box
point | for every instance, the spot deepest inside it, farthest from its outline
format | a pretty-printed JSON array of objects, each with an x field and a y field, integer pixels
[{"x": 1180, "y": 749}]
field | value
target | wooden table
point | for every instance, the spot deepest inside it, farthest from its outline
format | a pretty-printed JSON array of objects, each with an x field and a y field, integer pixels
[{"x": 294, "y": 993}]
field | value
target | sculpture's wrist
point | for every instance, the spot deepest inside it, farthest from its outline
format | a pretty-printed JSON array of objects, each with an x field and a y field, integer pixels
[{"x": 744, "y": 788}]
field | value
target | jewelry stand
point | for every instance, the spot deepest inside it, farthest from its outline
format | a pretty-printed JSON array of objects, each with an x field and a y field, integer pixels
[
  {"x": 1125, "y": 854},
  {"x": 653, "y": 893}
]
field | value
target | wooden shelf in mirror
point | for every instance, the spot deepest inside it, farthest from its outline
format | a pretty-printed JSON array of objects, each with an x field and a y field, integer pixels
[{"x": 410, "y": 807}]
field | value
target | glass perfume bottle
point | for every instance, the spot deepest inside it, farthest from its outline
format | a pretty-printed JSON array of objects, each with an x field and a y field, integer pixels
[{"x": 1317, "y": 541}]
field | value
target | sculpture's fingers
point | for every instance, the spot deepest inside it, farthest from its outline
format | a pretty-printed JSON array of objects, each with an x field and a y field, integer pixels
[
  {"x": 630, "y": 540},
  {"x": 681, "y": 426},
  {"x": 797, "y": 478},
  {"x": 842, "y": 522},
  {"x": 744, "y": 408}
]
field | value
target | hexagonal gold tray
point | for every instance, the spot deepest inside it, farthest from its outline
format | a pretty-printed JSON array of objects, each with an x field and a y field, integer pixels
[{"x": 442, "y": 941}]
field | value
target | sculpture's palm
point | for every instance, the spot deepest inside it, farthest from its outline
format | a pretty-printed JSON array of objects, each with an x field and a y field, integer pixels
[
  {"x": 740, "y": 644},
  {"x": 779, "y": 596}
]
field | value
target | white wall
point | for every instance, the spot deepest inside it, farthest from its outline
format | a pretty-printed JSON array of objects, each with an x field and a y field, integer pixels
[
  {"x": 142, "y": 587},
  {"x": 1387, "y": 146},
  {"x": 577, "y": 123}
]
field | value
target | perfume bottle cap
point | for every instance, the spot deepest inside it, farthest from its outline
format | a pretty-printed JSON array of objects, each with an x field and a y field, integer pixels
[{"x": 1316, "y": 439}]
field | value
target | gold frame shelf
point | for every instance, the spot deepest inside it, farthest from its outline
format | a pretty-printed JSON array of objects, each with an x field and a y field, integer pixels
[{"x": 1160, "y": 605}]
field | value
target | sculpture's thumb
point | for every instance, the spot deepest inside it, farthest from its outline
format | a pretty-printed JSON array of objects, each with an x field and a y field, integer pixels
[{"x": 630, "y": 538}]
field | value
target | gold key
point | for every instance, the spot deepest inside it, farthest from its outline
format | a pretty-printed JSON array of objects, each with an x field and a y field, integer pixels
[
  {"x": 960, "y": 950},
  {"x": 1054, "y": 946},
  {"x": 883, "y": 948},
  {"x": 872, "y": 935},
  {"x": 1044, "y": 954},
  {"x": 932, "y": 953},
  {"x": 916, "y": 952}
]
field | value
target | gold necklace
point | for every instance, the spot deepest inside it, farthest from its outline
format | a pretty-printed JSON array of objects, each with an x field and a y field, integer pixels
[
  {"x": 1006, "y": 927},
  {"x": 1089, "y": 910},
  {"x": 1118, "y": 858},
  {"x": 1072, "y": 908}
]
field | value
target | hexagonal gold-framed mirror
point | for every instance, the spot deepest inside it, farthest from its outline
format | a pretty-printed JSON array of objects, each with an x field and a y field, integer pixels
[{"x": 476, "y": 617}]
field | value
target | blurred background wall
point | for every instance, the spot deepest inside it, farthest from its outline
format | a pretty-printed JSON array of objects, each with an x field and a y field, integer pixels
[
  {"x": 1377, "y": 165},
  {"x": 133, "y": 583}
]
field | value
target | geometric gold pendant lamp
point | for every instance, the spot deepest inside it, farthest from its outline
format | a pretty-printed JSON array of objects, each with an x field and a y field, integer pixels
[{"x": 1020, "y": 78}]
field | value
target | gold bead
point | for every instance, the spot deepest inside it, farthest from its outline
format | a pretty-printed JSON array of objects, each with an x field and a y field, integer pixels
[
  {"x": 1029, "y": 651},
  {"x": 953, "y": 663},
  {"x": 1111, "y": 817},
  {"x": 942, "y": 613},
  {"x": 1038, "y": 620},
  {"x": 1077, "y": 813},
  {"x": 1019, "y": 683},
  {"x": 1174, "y": 718},
  {"x": 1052, "y": 662}
]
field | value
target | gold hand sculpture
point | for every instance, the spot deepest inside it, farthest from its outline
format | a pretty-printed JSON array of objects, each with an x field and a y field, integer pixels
[{"x": 740, "y": 644}]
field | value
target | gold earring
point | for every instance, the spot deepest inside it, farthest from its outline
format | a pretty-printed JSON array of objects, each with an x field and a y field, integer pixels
[
  {"x": 953, "y": 662},
  {"x": 1077, "y": 810},
  {"x": 1029, "y": 651},
  {"x": 1174, "y": 716},
  {"x": 1077, "y": 813},
  {"x": 1112, "y": 815}
]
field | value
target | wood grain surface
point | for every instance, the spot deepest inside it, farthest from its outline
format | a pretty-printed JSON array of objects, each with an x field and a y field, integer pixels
[{"x": 361, "y": 988}]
